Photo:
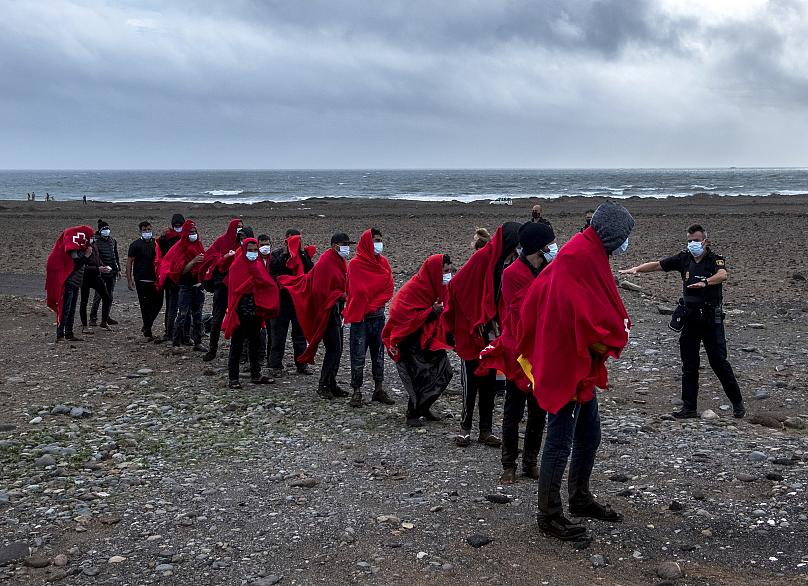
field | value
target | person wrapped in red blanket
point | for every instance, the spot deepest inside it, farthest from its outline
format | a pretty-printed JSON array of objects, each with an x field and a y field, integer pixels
[
  {"x": 572, "y": 320},
  {"x": 370, "y": 287},
  {"x": 412, "y": 339},
  {"x": 172, "y": 292},
  {"x": 538, "y": 248},
  {"x": 252, "y": 297},
  {"x": 470, "y": 320},
  {"x": 318, "y": 297},
  {"x": 213, "y": 271},
  {"x": 64, "y": 271},
  {"x": 180, "y": 267}
]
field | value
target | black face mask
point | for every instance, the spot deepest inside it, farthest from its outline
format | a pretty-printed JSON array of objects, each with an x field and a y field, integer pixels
[
  {"x": 536, "y": 215},
  {"x": 588, "y": 223}
]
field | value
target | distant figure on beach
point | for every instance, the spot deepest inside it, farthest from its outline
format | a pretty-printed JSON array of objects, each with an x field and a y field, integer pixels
[
  {"x": 84, "y": 199},
  {"x": 47, "y": 196},
  {"x": 481, "y": 238},
  {"x": 700, "y": 318},
  {"x": 370, "y": 287},
  {"x": 587, "y": 219},
  {"x": 108, "y": 250},
  {"x": 28, "y": 196},
  {"x": 63, "y": 276},
  {"x": 140, "y": 276},
  {"x": 33, "y": 196}
]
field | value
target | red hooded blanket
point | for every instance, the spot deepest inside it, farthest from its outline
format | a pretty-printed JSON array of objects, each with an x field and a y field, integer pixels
[
  {"x": 370, "y": 281},
  {"x": 571, "y": 307},
  {"x": 60, "y": 265},
  {"x": 501, "y": 353},
  {"x": 471, "y": 299},
  {"x": 294, "y": 262},
  {"x": 314, "y": 294},
  {"x": 411, "y": 307},
  {"x": 179, "y": 255},
  {"x": 214, "y": 255},
  {"x": 247, "y": 277}
]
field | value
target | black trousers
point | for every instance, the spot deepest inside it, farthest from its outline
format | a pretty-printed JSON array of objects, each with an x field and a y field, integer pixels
[
  {"x": 172, "y": 293},
  {"x": 69, "y": 299},
  {"x": 217, "y": 315},
  {"x": 484, "y": 387},
  {"x": 513, "y": 411},
  {"x": 151, "y": 302},
  {"x": 701, "y": 327},
  {"x": 278, "y": 330},
  {"x": 332, "y": 341},
  {"x": 97, "y": 284},
  {"x": 191, "y": 301},
  {"x": 367, "y": 335},
  {"x": 109, "y": 281},
  {"x": 249, "y": 330}
]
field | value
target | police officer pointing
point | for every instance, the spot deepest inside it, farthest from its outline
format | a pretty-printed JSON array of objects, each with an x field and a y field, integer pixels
[{"x": 702, "y": 318}]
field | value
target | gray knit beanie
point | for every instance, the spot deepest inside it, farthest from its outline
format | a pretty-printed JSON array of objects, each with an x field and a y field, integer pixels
[{"x": 613, "y": 224}]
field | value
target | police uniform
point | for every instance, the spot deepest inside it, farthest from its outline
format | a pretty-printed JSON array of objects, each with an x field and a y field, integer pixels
[{"x": 703, "y": 324}]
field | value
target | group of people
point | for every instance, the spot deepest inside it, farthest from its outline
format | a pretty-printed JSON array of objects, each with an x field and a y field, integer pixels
[{"x": 547, "y": 317}]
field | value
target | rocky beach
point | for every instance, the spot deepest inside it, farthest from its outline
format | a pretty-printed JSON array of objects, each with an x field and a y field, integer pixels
[{"x": 124, "y": 463}]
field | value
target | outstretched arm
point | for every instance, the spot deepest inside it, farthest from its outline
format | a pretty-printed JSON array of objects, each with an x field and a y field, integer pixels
[{"x": 647, "y": 267}]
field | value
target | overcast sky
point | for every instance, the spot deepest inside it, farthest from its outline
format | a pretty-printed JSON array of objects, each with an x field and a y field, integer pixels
[{"x": 387, "y": 83}]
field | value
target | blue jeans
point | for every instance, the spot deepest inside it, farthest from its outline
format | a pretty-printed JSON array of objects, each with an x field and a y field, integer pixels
[
  {"x": 191, "y": 300},
  {"x": 367, "y": 334},
  {"x": 575, "y": 427},
  {"x": 69, "y": 299}
]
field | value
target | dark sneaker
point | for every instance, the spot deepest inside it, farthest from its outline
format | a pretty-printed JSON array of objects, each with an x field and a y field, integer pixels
[
  {"x": 739, "y": 410},
  {"x": 560, "y": 527},
  {"x": 356, "y": 399},
  {"x": 338, "y": 391},
  {"x": 277, "y": 372},
  {"x": 508, "y": 476},
  {"x": 234, "y": 384},
  {"x": 595, "y": 510},
  {"x": 262, "y": 380},
  {"x": 93, "y": 323},
  {"x": 489, "y": 439},
  {"x": 530, "y": 470},
  {"x": 304, "y": 370},
  {"x": 686, "y": 414},
  {"x": 60, "y": 338},
  {"x": 112, "y": 322},
  {"x": 414, "y": 421},
  {"x": 324, "y": 392},
  {"x": 104, "y": 326},
  {"x": 464, "y": 439},
  {"x": 380, "y": 396},
  {"x": 200, "y": 348},
  {"x": 209, "y": 355},
  {"x": 87, "y": 331},
  {"x": 72, "y": 338}
]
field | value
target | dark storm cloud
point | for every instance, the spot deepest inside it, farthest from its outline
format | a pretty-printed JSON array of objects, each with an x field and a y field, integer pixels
[{"x": 471, "y": 83}]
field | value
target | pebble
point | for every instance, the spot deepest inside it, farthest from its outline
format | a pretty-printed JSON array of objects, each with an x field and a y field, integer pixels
[
  {"x": 675, "y": 506},
  {"x": 709, "y": 414},
  {"x": 80, "y": 412},
  {"x": 60, "y": 560},
  {"x": 761, "y": 394},
  {"x": 758, "y": 513},
  {"x": 37, "y": 562},
  {"x": 757, "y": 456},
  {"x": 669, "y": 571},
  {"x": 36, "y": 420},
  {"x": 44, "y": 461},
  {"x": 599, "y": 561},
  {"x": 500, "y": 499},
  {"x": 90, "y": 571},
  {"x": 619, "y": 478},
  {"x": 744, "y": 477},
  {"x": 60, "y": 410},
  {"x": 117, "y": 559},
  {"x": 13, "y": 552},
  {"x": 477, "y": 540},
  {"x": 794, "y": 423},
  {"x": 629, "y": 286},
  {"x": 270, "y": 580},
  {"x": 164, "y": 568},
  {"x": 774, "y": 476},
  {"x": 304, "y": 483}
]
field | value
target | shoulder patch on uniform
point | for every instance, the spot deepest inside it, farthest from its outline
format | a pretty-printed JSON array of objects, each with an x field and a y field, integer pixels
[{"x": 719, "y": 262}]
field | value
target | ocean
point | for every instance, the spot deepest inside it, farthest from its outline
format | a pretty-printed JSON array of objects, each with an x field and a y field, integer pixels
[{"x": 233, "y": 186}]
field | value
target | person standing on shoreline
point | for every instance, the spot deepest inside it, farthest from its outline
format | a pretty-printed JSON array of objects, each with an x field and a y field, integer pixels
[
  {"x": 63, "y": 276},
  {"x": 370, "y": 287},
  {"x": 538, "y": 248},
  {"x": 164, "y": 243},
  {"x": 319, "y": 297},
  {"x": 470, "y": 322},
  {"x": 703, "y": 274},
  {"x": 572, "y": 320},
  {"x": 108, "y": 252},
  {"x": 140, "y": 277}
]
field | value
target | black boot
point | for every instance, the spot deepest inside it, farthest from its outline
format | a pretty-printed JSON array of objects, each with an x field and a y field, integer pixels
[
  {"x": 560, "y": 527},
  {"x": 380, "y": 396},
  {"x": 356, "y": 398},
  {"x": 324, "y": 388},
  {"x": 336, "y": 390}
]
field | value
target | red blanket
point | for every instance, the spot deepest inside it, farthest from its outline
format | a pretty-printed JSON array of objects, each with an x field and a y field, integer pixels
[
  {"x": 314, "y": 294},
  {"x": 247, "y": 277},
  {"x": 60, "y": 265},
  {"x": 214, "y": 255},
  {"x": 294, "y": 262},
  {"x": 501, "y": 353},
  {"x": 179, "y": 255},
  {"x": 411, "y": 307},
  {"x": 571, "y": 307},
  {"x": 370, "y": 281},
  {"x": 471, "y": 299}
]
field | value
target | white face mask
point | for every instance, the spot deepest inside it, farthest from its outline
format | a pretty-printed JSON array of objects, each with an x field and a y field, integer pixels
[
  {"x": 251, "y": 255},
  {"x": 446, "y": 278},
  {"x": 552, "y": 252},
  {"x": 193, "y": 237},
  {"x": 378, "y": 247},
  {"x": 178, "y": 229},
  {"x": 105, "y": 232},
  {"x": 146, "y": 235},
  {"x": 621, "y": 250},
  {"x": 265, "y": 249},
  {"x": 344, "y": 251},
  {"x": 518, "y": 251}
]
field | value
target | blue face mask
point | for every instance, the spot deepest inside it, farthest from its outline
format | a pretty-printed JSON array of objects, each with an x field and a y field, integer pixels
[
  {"x": 551, "y": 254},
  {"x": 621, "y": 250},
  {"x": 695, "y": 248},
  {"x": 251, "y": 255}
]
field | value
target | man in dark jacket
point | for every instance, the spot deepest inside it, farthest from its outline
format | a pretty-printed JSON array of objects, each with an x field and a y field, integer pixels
[
  {"x": 108, "y": 252},
  {"x": 279, "y": 327},
  {"x": 140, "y": 276}
]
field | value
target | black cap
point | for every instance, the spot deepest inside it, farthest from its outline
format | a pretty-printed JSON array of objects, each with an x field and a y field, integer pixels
[
  {"x": 341, "y": 238},
  {"x": 102, "y": 224},
  {"x": 534, "y": 236},
  {"x": 177, "y": 219}
]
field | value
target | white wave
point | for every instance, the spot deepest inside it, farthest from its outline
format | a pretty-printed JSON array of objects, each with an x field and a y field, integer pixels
[
  {"x": 791, "y": 191},
  {"x": 224, "y": 192}
]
